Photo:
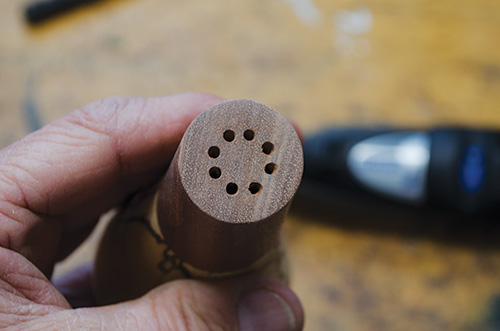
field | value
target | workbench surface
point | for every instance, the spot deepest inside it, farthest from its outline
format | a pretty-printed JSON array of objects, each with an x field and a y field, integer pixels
[{"x": 403, "y": 63}]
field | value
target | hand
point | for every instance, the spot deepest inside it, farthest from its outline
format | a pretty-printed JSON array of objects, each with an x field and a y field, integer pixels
[{"x": 54, "y": 185}]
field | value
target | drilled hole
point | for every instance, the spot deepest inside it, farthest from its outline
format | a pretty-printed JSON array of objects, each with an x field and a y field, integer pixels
[
  {"x": 229, "y": 135},
  {"x": 231, "y": 188},
  {"x": 255, "y": 188},
  {"x": 249, "y": 135},
  {"x": 214, "y": 152},
  {"x": 267, "y": 148},
  {"x": 215, "y": 172},
  {"x": 271, "y": 168}
]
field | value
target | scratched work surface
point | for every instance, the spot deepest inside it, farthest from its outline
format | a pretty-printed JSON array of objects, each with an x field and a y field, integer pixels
[{"x": 320, "y": 62}]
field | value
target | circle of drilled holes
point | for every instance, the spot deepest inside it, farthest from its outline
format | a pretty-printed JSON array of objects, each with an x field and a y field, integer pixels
[{"x": 232, "y": 188}]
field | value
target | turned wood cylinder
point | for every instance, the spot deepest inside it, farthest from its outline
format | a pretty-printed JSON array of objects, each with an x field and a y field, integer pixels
[
  {"x": 216, "y": 213},
  {"x": 228, "y": 188}
]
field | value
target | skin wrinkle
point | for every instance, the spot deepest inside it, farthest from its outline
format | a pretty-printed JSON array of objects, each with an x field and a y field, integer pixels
[
  {"x": 28, "y": 309},
  {"x": 81, "y": 119},
  {"x": 28, "y": 280},
  {"x": 216, "y": 311},
  {"x": 7, "y": 288},
  {"x": 188, "y": 316},
  {"x": 198, "y": 318},
  {"x": 66, "y": 323},
  {"x": 88, "y": 123},
  {"x": 132, "y": 321},
  {"x": 43, "y": 293},
  {"x": 13, "y": 180},
  {"x": 188, "y": 301},
  {"x": 18, "y": 291},
  {"x": 30, "y": 181},
  {"x": 172, "y": 323},
  {"x": 8, "y": 215},
  {"x": 113, "y": 130},
  {"x": 88, "y": 113},
  {"x": 175, "y": 300},
  {"x": 126, "y": 166},
  {"x": 156, "y": 317},
  {"x": 66, "y": 131},
  {"x": 17, "y": 223},
  {"x": 6, "y": 323},
  {"x": 12, "y": 305},
  {"x": 3, "y": 182},
  {"x": 78, "y": 175},
  {"x": 43, "y": 323},
  {"x": 114, "y": 137},
  {"x": 58, "y": 135},
  {"x": 116, "y": 319},
  {"x": 17, "y": 188},
  {"x": 46, "y": 132},
  {"x": 7, "y": 241},
  {"x": 25, "y": 285},
  {"x": 137, "y": 319},
  {"x": 130, "y": 126},
  {"x": 18, "y": 309}
]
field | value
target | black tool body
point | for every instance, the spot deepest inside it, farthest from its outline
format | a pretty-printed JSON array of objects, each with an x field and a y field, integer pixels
[{"x": 451, "y": 168}]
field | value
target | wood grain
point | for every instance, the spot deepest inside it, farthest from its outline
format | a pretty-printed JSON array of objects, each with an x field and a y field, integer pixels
[{"x": 229, "y": 186}]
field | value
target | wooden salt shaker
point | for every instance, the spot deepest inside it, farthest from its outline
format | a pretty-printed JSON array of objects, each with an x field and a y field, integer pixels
[{"x": 218, "y": 211}]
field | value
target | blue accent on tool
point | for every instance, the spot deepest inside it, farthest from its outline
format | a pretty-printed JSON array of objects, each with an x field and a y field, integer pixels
[{"x": 473, "y": 169}]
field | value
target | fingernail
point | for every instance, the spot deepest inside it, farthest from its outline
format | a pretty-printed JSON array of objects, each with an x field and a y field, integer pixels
[{"x": 264, "y": 310}]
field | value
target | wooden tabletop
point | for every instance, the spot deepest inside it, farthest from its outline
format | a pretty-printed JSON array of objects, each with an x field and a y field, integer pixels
[{"x": 322, "y": 63}]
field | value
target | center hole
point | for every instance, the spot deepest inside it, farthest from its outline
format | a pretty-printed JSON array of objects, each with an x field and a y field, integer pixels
[
  {"x": 255, "y": 188},
  {"x": 231, "y": 188},
  {"x": 249, "y": 134}
]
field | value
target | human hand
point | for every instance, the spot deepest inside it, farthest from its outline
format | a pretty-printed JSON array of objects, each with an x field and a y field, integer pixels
[{"x": 54, "y": 185}]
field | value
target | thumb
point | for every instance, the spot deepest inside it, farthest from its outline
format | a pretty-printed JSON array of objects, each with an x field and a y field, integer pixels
[{"x": 250, "y": 303}]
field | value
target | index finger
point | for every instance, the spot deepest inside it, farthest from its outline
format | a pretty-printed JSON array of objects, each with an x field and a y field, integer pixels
[{"x": 81, "y": 165}]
